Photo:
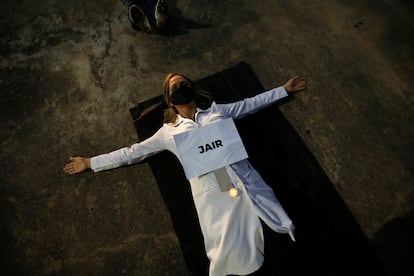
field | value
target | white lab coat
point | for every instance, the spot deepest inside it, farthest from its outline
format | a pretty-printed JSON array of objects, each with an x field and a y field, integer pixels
[{"x": 231, "y": 228}]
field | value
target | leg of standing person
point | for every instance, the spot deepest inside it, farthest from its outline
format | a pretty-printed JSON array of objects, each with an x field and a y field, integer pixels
[
  {"x": 161, "y": 14},
  {"x": 138, "y": 14}
]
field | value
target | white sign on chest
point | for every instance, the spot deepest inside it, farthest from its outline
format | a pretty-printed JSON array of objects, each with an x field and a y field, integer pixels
[{"x": 209, "y": 147}]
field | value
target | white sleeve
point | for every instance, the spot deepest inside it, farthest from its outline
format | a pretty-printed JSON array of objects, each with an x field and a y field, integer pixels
[
  {"x": 129, "y": 155},
  {"x": 251, "y": 105}
]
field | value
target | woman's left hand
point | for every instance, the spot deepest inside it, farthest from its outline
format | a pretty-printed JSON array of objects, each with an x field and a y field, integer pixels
[{"x": 295, "y": 84}]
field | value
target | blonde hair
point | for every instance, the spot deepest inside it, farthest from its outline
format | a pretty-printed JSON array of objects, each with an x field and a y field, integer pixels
[{"x": 203, "y": 98}]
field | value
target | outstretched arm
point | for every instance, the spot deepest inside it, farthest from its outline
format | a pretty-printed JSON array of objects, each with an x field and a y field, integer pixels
[
  {"x": 117, "y": 158},
  {"x": 250, "y": 105},
  {"x": 77, "y": 165}
]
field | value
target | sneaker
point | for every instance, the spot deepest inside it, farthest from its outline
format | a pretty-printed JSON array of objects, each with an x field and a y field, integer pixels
[
  {"x": 139, "y": 19},
  {"x": 162, "y": 12}
]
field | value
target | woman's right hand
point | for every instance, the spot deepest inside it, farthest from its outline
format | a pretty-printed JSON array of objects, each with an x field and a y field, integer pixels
[{"x": 77, "y": 165}]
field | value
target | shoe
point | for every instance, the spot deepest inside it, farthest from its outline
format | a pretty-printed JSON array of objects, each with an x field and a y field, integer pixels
[
  {"x": 162, "y": 12},
  {"x": 139, "y": 19}
]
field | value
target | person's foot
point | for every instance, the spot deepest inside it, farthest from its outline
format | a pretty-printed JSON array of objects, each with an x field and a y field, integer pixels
[
  {"x": 139, "y": 19},
  {"x": 162, "y": 12}
]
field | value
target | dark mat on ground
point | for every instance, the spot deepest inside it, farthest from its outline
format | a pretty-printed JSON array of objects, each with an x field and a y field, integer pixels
[{"x": 329, "y": 239}]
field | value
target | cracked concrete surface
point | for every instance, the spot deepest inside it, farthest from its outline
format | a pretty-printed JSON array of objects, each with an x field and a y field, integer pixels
[{"x": 71, "y": 70}]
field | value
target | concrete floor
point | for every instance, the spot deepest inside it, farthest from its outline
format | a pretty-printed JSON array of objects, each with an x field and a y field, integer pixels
[{"x": 70, "y": 71}]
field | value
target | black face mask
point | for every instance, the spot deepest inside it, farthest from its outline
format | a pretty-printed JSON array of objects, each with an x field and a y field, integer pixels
[{"x": 182, "y": 95}]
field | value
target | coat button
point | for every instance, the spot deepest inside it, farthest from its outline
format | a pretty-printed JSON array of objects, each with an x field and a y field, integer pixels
[{"x": 233, "y": 192}]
